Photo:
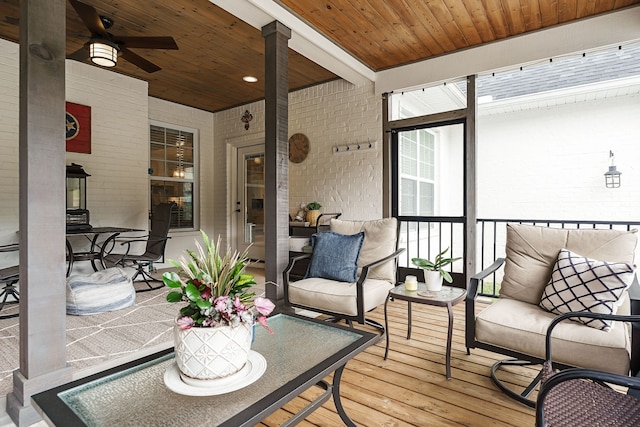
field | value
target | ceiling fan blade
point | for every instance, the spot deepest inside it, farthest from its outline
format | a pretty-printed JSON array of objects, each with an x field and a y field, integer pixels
[
  {"x": 90, "y": 17},
  {"x": 81, "y": 54},
  {"x": 138, "y": 60},
  {"x": 147, "y": 42}
]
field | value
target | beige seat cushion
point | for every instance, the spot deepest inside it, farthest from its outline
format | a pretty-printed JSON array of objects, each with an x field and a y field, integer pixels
[
  {"x": 522, "y": 327},
  {"x": 532, "y": 252},
  {"x": 338, "y": 297},
  {"x": 379, "y": 241}
]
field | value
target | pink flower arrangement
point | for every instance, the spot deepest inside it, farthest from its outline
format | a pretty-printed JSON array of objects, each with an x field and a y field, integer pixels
[{"x": 216, "y": 289}]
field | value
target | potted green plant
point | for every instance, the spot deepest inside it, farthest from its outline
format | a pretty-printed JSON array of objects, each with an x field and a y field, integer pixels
[
  {"x": 433, "y": 272},
  {"x": 219, "y": 313},
  {"x": 313, "y": 212}
]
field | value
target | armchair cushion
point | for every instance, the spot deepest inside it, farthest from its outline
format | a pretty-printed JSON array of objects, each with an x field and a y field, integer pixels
[
  {"x": 579, "y": 283},
  {"x": 532, "y": 252},
  {"x": 335, "y": 256},
  {"x": 338, "y": 297},
  {"x": 379, "y": 241},
  {"x": 517, "y": 325}
]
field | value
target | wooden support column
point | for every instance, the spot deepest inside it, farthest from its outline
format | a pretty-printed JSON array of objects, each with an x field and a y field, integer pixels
[
  {"x": 276, "y": 155},
  {"x": 43, "y": 358},
  {"x": 471, "y": 182}
]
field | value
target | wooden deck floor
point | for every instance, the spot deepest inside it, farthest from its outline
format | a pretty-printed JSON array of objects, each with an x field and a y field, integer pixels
[{"x": 410, "y": 388}]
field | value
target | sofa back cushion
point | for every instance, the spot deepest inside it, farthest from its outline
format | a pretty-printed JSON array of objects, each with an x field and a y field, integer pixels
[
  {"x": 532, "y": 252},
  {"x": 380, "y": 240}
]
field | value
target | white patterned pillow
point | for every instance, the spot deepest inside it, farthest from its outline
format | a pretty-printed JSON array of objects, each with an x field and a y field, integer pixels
[{"x": 582, "y": 284}]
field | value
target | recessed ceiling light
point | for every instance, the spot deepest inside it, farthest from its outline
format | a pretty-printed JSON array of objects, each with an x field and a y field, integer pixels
[{"x": 250, "y": 79}]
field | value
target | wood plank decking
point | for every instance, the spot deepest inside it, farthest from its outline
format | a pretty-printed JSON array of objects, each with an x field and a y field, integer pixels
[{"x": 410, "y": 388}]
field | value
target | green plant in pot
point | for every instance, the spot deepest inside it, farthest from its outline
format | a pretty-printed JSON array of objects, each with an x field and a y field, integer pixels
[
  {"x": 433, "y": 272},
  {"x": 313, "y": 212},
  {"x": 214, "y": 328}
]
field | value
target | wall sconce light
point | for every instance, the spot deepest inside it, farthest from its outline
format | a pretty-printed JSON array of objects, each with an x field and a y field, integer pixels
[
  {"x": 103, "y": 53},
  {"x": 612, "y": 176},
  {"x": 246, "y": 118}
]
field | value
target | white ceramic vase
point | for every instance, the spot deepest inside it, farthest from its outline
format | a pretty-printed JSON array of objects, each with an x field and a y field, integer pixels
[
  {"x": 212, "y": 353},
  {"x": 433, "y": 280}
]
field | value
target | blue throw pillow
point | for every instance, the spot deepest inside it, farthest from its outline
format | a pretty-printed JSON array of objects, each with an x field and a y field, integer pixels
[{"x": 335, "y": 256}]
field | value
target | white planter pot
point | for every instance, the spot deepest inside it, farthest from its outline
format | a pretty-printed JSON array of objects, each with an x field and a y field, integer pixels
[
  {"x": 433, "y": 280},
  {"x": 211, "y": 353}
]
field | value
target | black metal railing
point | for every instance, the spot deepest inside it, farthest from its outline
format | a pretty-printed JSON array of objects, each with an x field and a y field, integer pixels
[{"x": 425, "y": 237}]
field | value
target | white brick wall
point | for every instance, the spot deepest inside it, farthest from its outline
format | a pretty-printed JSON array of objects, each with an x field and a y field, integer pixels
[
  {"x": 338, "y": 113},
  {"x": 332, "y": 113}
]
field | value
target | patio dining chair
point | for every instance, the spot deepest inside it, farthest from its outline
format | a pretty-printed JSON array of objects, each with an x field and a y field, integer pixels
[
  {"x": 352, "y": 268},
  {"x": 155, "y": 244}
]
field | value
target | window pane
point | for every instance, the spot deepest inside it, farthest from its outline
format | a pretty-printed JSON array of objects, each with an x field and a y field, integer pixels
[
  {"x": 427, "y": 200},
  {"x": 408, "y": 201},
  {"x": 430, "y": 169},
  {"x": 179, "y": 192},
  {"x": 172, "y": 157},
  {"x": 431, "y": 100},
  {"x": 158, "y": 168}
]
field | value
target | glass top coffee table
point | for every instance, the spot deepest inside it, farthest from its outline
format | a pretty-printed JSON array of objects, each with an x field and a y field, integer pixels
[
  {"x": 299, "y": 355},
  {"x": 447, "y": 297}
]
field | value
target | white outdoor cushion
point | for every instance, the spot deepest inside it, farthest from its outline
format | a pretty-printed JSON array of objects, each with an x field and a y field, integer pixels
[
  {"x": 522, "y": 327},
  {"x": 338, "y": 297},
  {"x": 532, "y": 252},
  {"x": 579, "y": 283},
  {"x": 106, "y": 290},
  {"x": 379, "y": 241}
]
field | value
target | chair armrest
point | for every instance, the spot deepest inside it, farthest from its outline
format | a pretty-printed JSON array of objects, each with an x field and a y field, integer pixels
[
  {"x": 124, "y": 241},
  {"x": 565, "y": 316},
  {"x": 474, "y": 281},
  {"x": 287, "y": 271},
  {"x": 365, "y": 269},
  {"x": 292, "y": 262},
  {"x": 470, "y": 301}
]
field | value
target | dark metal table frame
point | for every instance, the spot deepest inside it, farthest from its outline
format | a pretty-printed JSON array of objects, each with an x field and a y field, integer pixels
[
  {"x": 447, "y": 297},
  {"x": 58, "y": 412},
  {"x": 97, "y": 250},
  {"x": 9, "y": 276}
]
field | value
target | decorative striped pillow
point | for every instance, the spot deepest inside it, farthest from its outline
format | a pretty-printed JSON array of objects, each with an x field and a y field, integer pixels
[{"x": 582, "y": 284}]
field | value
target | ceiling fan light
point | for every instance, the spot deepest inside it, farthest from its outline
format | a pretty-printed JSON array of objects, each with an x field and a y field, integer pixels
[{"x": 103, "y": 54}]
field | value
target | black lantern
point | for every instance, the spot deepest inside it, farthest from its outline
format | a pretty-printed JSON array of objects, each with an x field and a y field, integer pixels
[
  {"x": 612, "y": 176},
  {"x": 77, "y": 213}
]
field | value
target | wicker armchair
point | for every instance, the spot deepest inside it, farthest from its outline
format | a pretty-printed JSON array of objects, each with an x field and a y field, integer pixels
[{"x": 580, "y": 397}]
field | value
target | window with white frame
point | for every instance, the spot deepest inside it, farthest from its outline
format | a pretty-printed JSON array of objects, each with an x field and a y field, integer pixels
[
  {"x": 416, "y": 173},
  {"x": 172, "y": 170}
]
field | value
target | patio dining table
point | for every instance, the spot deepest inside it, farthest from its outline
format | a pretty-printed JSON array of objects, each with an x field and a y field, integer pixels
[{"x": 97, "y": 250}]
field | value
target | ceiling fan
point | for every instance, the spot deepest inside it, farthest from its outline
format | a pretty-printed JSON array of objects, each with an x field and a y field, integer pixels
[{"x": 103, "y": 48}]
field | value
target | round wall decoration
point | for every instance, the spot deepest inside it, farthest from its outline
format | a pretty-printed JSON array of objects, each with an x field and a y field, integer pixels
[{"x": 298, "y": 147}]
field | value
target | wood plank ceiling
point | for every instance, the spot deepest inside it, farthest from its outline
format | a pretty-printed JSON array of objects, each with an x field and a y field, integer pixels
[{"x": 216, "y": 49}]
